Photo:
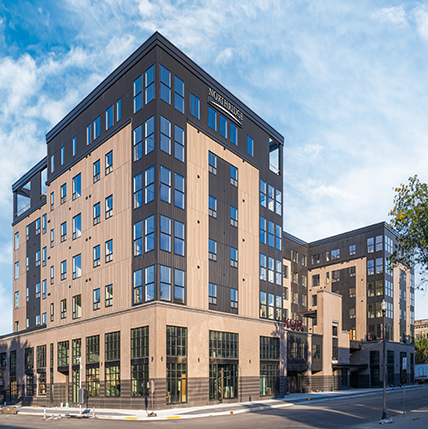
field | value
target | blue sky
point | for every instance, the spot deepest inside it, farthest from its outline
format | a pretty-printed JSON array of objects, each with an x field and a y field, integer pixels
[{"x": 345, "y": 82}]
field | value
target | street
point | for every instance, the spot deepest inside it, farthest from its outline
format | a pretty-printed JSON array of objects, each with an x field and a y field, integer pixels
[{"x": 349, "y": 412}]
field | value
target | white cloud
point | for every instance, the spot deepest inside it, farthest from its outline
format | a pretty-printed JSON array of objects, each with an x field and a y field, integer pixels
[
  {"x": 421, "y": 19},
  {"x": 395, "y": 15}
]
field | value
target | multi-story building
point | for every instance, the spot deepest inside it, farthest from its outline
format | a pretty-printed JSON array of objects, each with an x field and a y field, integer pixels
[
  {"x": 148, "y": 246},
  {"x": 421, "y": 328}
]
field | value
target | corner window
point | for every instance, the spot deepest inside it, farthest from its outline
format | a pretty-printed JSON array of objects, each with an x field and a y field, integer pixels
[
  {"x": 178, "y": 143},
  {"x": 165, "y": 283},
  {"x": 150, "y": 184},
  {"x": 138, "y": 190},
  {"x": 179, "y": 94},
  {"x": 165, "y": 135},
  {"x": 212, "y": 163},
  {"x": 250, "y": 146},
  {"x": 149, "y": 84},
  {"x": 149, "y": 233},
  {"x": 138, "y": 96},
  {"x": 165, "y": 84},
  {"x": 138, "y": 238},
  {"x": 165, "y": 184},
  {"x": 178, "y": 191}
]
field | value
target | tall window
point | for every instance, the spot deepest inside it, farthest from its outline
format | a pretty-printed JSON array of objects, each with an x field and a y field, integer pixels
[
  {"x": 179, "y": 94},
  {"x": 165, "y": 135},
  {"x": 178, "y": 143},
  {"x": 97, "y": 127},
  {"x": 149, "y": 280},
  {"x": 88, "y": 134},
  {"x": 179, "y": 285},
  {"x": 233, "y": 216},
  {"x": 178, "y": 190},
  {"x": 63, "y": 232},
  {"x": 212, "y": 163},
  {"x": 222, "y": 126},
  {"x": 109, "y": 162},
  {"x": 63, "y": 193},
  {"x": 212, "y": 118},
  {"x": 109, "y": 117},
  {"x": 97, "y": 214},
  {"x": 138, "y": 238},
  {"x": 77, "y": 307},
  {"x": 165, "y": 233},
  {"x": 74, "y": 146},
  {"x": 109, "y": 251},
  {"x": 63, "y": 270},
  {"x": 195, "y": 109},
  {"x": 233, "y": 134},
  {"x": 233, "y": 176},
  {"x": 212, "y": 250},
  {"x": 77, "y": 186},
  {"x": 63, "y": 308},
  {"x": 165, "y": 85},
  {"x": 96, "y": 171},
  {"x": 178, "y": 238},
  {"x": 97, "y": 299},
  {"x": 165, "y": 283},
  {"x": 138, "y": 190},
  {"x": 233, "y": 298},
  {"x": 77, "y": 266},
  {"x": 212, "y": 293},
  {"x": 149, "y": 184},
  {"x": 149, "y": 84},
  {"x": 233, "y": 257},
  {"x": 138, "y": 93},
  {"x": 149, "y": 233},
  {"x": 109, "y": 206},
  {"x": 165, "y": 184},
  {"x": 138, "y": 286},
  {"x": 109, "y": 295},
  {"x": 250, "y": 146},
  {"x": 139, "y": 372},
  {"x": 176, "y": 373},
  {"x": 97, "y": 256},
  {"x": 77, "y": 226}
]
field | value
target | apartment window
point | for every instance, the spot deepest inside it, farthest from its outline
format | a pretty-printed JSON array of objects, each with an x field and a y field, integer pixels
[
  {"x": 138, "y": 190},
  {"x": 285, "y": 271},
  {"x": 178, "y": 143},
  {"x": 138, "y": 238},
  {"x": 16, "y": 300},
  {"x": 52, "y": 311},
  {"x": 370, "y": 245},
  {"x": 52, "y": 238},
  {"x": 109, "y": 295},
  {"x": 16, "y": 270},
  {"x": 379, "y": 265},
  {"x": 109, "y": 117},
  {"x": 278, "y": 202},
  {"x": 109, "y": 251},
  {"x": 149, "y": 84},
  {"x": 389, "y": 245},
  {"x": 263, "y": 260},
  {"x": 212, "y": 250},
  {"x": 44, "y": 289},
  {"x": 179, "y": 94},
  {"x": 88, "y": 134},
  {"x": 233, "y": 257},
  {"x": 165, "y": 184},
  {"x": 150, "y": 184},
  {"x": 52, "y": 275},
  {"x": 262, "y": 193},
  {"x": 52, "y": 163},
  {"x": 233, "y": 176},
  {"x": 77, "y": 307},
  {"x": 97, "y": 216},
  {"x": 62, "y": 155},
  {"x": 165, "y": 233},
  {"x": 379, "y": 288},
  {"x": 97, "y": 171},
  {"x": 335, "y": 275},
  {"x": 352, "y": 272},
  {"x": 149, "y": 279},
  {"x": 52, "y": 201},
  {"x": 76, "y": 349},
  {"x": 97, "y": 299},
  {"x": 178, "y": 191},
  {"x": 138, "y": 142},
  {"x": 379, "y": 242},
  {"x": 165, "y": 283},
  {"x": 165, "y": 135},
  {"x": 212, "y": 206},
  {"x": 315, "y": 280},
  {"x": 109, "y": 162},
  {"x": 28, "y": 263},
  {"x": 165, "y": 84},
  {"x": 77, "y": 226},
  {"x": 278, "y": 233},
  {"x": 212, "y": 163},
  {"x": 38, "y": 258},
  {"x": 97, "y": 127},
  {"x": 138, "y": 286},
  {"x": 179, "y": 285},
  {"x": 212, "y": 293},
  {"x": 212, "y": 118},
  {"x": 63, "y": 193},
  {"x": 77, "y": 186},
  {"x": 233, "y": 298},
  {"x": 195, "y": 109},
  {"x": 271, "y": 233},
  {"x": 335, "y": 345},
  {"x": 250, "y": 146},
  {"x": 370, "y": 289},
  {"x": 44, "y": 223},
  {"x": 352, "y": 249},
  {"x": 263, "y": 304},
  {"x": 63, "y": 270},
  {"x": 335, "y": 254},
  {"x": 109, "y": 206},
  {"x": 63, "y": 232},
  {"x": 233, "y": 216},
  {"x": 138, "y": 93},
  {"x": 93, "y": 349},
  {"x": 63, "y": 306},
  {"x": 222, "y": 126},
  {"x": 74, "y": 146},
  {"x": 370, "y": 267},
  {"x": 271, "y": 306},
  {"x": 178, "y": 238},
  {"x": 271, "y": 198},
  {"x": 271, "y": 270},
  {"x": 149, "y": 233},
  {"x": 234, "y": 134},
  {"x": 97, "y": 256},
  {"x": 263, "y": 231},
  {"x": 77, "y": 266}
]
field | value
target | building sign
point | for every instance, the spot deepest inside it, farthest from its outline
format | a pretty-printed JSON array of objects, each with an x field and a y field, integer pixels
[
  {"x": 221, "y": 103},
  {"x": 295, "y": 325}
]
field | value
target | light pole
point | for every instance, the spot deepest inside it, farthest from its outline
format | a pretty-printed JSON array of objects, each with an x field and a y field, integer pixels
[{"x": 384, "y": 413}]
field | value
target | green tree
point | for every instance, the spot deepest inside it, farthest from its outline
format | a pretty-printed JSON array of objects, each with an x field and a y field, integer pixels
[
  {"x": 421, "y": 350},
  {"x": 410, "y": 220}
]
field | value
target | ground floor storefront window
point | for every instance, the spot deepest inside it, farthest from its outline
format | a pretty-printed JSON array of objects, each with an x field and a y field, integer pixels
[
  {"x": 113, "y": 380},
  {"x": 223, "y": 381},
  {"x": 269, "y": 379},
  {"x": 93, "y": 381},
  {"x": 176, "y": 382},
  {"x": 140, "y": 379}
]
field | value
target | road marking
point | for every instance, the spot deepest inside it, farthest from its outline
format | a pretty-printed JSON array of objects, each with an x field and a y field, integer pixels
[
  {"x": 173, "y": 417},
  {"x": 131, "y": 418}
]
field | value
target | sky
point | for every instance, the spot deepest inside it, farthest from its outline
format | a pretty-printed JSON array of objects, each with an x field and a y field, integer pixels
[{"x": 346, "y": 84}]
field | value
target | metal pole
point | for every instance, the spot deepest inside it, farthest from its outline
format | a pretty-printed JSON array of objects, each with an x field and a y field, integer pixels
[{"x": 384, "y": 413}]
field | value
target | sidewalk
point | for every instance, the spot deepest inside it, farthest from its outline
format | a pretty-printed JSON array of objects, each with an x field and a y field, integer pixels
[{"x": 417, "y": 419}]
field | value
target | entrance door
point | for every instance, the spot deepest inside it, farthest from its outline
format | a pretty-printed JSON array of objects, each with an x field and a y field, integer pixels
[
  {"x": 223, "y": 381},
  {"x": 75, "y": 385}
]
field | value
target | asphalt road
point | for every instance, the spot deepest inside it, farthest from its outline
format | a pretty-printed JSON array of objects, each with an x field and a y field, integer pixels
[{"x": 341, "y": 413}]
